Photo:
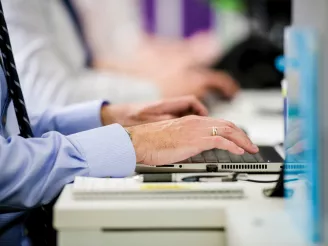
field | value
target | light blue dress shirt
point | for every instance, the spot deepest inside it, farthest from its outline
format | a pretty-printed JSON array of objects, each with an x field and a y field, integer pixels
[{"x": 34, "y": 171}]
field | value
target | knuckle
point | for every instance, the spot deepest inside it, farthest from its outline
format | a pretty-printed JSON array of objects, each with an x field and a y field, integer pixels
[
  {"x": 227, "y": 130},
  {"x": 219, "y": 139},
  {"x": 192, "y": 98},
  {"x": 191, "y": 118},
  {"x": 230, "y": 124},
  {"x": 188, "y": 97},
  {"x": 222, "y": 143}
]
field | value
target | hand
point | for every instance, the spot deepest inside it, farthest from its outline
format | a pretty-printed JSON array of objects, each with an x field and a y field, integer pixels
[
  {"x": 175, "y": 140},
  {"x": 295, "y": 143},
  {"x": 198, "y": 82},
  {"x": 135, "y": 114}
]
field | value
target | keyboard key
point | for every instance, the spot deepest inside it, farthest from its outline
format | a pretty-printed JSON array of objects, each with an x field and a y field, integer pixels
[
  {"x": 248, "y": 158},
  {"x": 198, "y": 159},
  {"x": 210, "y": 156},
  {"x": 258, "y": 157},
  {"x": 235, "y": 158},
  {"x": 222, "y": 156},
  {"x": 269, "y": 154}
]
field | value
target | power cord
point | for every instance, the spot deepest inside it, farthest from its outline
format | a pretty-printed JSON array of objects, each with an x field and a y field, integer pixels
[
  {"x": 244, "y": 177},
  {"x": 233, "y": 177}
]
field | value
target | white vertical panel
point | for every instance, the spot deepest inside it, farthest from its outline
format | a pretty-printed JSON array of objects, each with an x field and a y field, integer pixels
[
  {"x": 113, "y": 27},
  {"x": 169, "y": 18}
]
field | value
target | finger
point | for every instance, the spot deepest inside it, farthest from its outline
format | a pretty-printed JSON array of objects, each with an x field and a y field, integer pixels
[
  {"x": 238, "y": 137},
  {"x": 218, "y": 142},
  {"x": 224, "y": 83},
  {"x": 232, "y": 125},
  {"x": 195, "y": 106},
  {"x": 182, "y": 106},
  {"x": 294, "y": 135},
  {"x": 213, "y": 122},
  {"x": 299, "y": 147}
]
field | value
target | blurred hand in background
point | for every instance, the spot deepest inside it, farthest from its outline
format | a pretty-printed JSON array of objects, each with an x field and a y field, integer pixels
[
  {"x": 177, "y": 67},
  {"x": 141, "y": 113}
]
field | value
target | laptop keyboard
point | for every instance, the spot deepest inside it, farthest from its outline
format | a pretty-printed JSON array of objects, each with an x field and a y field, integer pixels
[{"x": 223, "y": 156}]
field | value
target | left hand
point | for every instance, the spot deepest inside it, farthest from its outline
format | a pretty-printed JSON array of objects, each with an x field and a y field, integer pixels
[
  {"x": 198, "y": 82},
  {"x": 295, "y": 143},
  {"x": 136, "y": 114}
]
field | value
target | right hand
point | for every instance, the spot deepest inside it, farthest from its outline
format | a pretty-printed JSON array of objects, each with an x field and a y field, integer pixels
[{"x": 175, "y": 140}]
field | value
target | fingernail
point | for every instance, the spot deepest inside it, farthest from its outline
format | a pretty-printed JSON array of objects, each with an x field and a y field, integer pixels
[{"x": 255, "y": 147}]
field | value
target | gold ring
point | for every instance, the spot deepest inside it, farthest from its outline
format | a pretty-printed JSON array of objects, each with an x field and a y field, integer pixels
[{"x": 215, "y": 131}]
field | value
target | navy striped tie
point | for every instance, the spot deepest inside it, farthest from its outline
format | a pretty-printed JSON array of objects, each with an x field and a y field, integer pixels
[{"x": 39, "y": 221}]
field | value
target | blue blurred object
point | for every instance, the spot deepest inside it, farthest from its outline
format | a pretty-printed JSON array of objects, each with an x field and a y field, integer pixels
[
  {"x": 280, "y": 64},
  {"x": 301, "y": 144}
]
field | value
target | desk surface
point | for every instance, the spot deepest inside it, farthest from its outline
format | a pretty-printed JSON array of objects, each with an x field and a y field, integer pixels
[{"x": 258, "y": 112}]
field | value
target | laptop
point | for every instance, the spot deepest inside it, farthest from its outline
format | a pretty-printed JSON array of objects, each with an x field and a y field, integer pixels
[{"x": 267, "y": 160}]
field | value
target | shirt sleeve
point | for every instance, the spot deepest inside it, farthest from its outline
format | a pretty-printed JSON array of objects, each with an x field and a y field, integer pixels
[
  {"x": 68, "y": 120},
  {"x": 34, "y": 171},
  {"x": 51, "y": 62}
]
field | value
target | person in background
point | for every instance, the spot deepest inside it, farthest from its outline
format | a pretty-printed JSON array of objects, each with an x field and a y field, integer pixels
[
  {"x": 51, "y": 61},
  {"x": 114, "y": 35}
]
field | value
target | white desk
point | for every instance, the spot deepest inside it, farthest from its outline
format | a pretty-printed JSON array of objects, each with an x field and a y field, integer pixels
[
  {"x": 245, "y": 111},
  {"x": 252, "y": 221}
]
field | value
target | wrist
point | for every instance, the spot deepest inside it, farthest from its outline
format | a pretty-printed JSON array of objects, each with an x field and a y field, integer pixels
[
  {"x": 136, "y": 142},
  {"x": 107, "y": 117}
]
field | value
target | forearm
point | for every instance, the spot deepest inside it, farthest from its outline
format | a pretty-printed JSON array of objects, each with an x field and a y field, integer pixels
[{"x": 34, "y": 171}]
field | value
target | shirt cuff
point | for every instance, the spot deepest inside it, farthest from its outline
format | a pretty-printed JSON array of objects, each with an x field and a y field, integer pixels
[
  {"x": 79, "y": 117},
  {"x": 108, "y": 151}
]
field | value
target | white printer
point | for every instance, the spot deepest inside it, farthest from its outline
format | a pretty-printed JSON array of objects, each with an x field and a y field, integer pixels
[{"x": 93, "y": 221}]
